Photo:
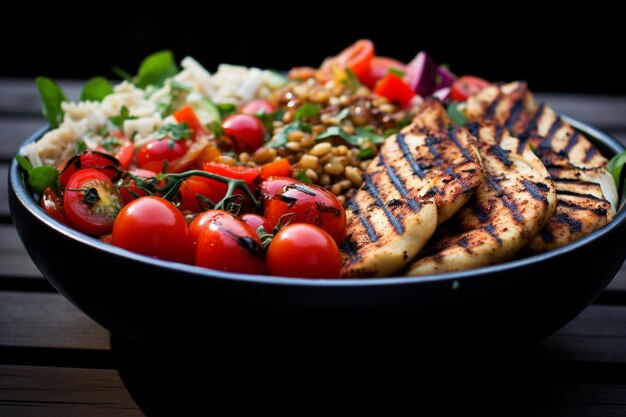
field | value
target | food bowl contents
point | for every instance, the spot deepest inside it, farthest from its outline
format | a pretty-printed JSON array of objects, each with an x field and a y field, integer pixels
[{"x": 363, "y": 167}]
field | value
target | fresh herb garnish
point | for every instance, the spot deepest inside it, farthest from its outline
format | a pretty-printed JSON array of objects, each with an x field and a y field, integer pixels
[
  {"x": 226, "y": 109},
  {"x": 307, "y": 110},
  {"x": 343, "y": 114},
  {"x": 123, "y": 116},
  {"x": 302, "y": 177},
  {"x": 268, "y": 119},
  {"x": 362, "y": 134},
  {"x": 174, "y": 132},
  {"x": 615, "y": 167},
  {"x": 156, "y": 68},
  {"x": 281, "y": 138},
  {"x": 396, "y": 71},
  {"x": 366, "y": 153},
  {"x": 51, "y": 98},
  {"x": 456, "y": 113},
  {"x": 111, "y": 143},
  {"x": 41, "y": 177},
  {"x": 80, "y": 146},
  {"x": 352, "y": 82},
  {"x": 216, "y": 127},
  {"x": 96, "y": 89}
]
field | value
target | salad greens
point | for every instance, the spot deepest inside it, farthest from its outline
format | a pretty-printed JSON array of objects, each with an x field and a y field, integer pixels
[
  {"x": 41, "y": 177},
  {"x": 51, "y": 98},
  {"x": 96, "y": 89}
]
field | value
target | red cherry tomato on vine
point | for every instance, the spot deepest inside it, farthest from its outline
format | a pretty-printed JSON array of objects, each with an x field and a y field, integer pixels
[
  {"x": 155, "y": 227},
  {"x": 257, "y": 106},
  {"x": 246, "y": 131},
  {"x": 91, "y": 202},
  {"x": 311, "y": 204},
  {"x": 153, "y": 154},
  {"x": 229, "y": 244},
  {"x": 305, "y": 251},
  {"x": 254, "y": 220},
  {"x": 466, "y": 86},
  {"x": 53, "y": 205},
  {"x": 129, "y": 189},
  {"x": 195, "y": 190},
  {"x": 100, "y": 161},
  {"x": 271, "y": 186}
]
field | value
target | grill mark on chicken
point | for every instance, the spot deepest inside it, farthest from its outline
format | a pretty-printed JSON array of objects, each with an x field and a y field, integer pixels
[
  {"x": 370, "y": 187},
  {"x": 507, "y": 203},
  {"x": 371, "y": 232},
  {"x": 397, "y": 182},
  {"x": 406, "y": 152},
  {"x": 491, "y": 109},
  {"x": 573, "y": 140},
  {"x": 591, "y": 151},
  {"x": 453, "y": 137},
  {"x": 574, "y": 225},
  {"x": 480, "y": 213},
  {"x": 349, "y": 247},
  {"x": 532, "y": 125},
  {"x": 514, "y": 115},
  {"x": 546, "y": 143},
  {"x": 573, "y": 181},
  {"x": 575, "y": 194},
  {"x": 490, "y": 229},
  {"x": 537, "y": 190},
  {"x": 597, "y": 211},
  {"x": 450, "y": 170},
  {"x": 501, "y": 154},
  {"x": 431, "y": 141}
]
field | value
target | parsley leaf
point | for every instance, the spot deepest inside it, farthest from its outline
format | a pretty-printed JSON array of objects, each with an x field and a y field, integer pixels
[
  {"x": 80, "y": 146},
  {"x": 124, "y": 115},
  {"x": 307, "y": 110},
  {"x": 366, "y": 153},
  {"x": 281, "y": 138},
  {"x": 302, "y": 177},
  {"x": 96, "y": 89},
  {"x": 268, "y": 119},
  {"x": 361, "y": 135},
  {"x": 51, "y": 98},
  {"x": 457, "y": 115},
  {"x": 225, "y": 109},
  {"x": 174, "y": 131}
]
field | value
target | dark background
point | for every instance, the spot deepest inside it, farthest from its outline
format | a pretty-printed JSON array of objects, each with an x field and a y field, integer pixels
[{"x": 573, "y": 51}]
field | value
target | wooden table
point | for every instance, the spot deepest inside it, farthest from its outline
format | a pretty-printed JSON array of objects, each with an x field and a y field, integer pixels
[{"x": 55, "y": 361}]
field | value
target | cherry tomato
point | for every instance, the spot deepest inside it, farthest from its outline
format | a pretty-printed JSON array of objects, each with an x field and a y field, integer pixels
[
  {"x": 53, "y": 205},
  {"x": 197, "y": 225},
  {"x": 153, "y": 226},
  {"x": 103, "y": 162},
  {"x": 247, "y": 174},
  {"x": 304, "y": 251},
  {"x": 379, "y": 68},
  {"x": 394, "y": 89},
  {"x": 91, "y": 201},
  {"x": 118, "y": 145},
  {"x": 301, "y": 73},
  {"x": 129, "y": 189},
  {"x": 257, "y": 106},
  {"x": 356, "y": 57},
  {"x": 152, "y": 155},
  {"x": 186, "y": 114},
  {"x": 309, "y": 204},
  {"x": 247, "y": 131},
  {"x": 278, "y": 168},
  {"x": 194, "y": 190},
  {"x": 466, "y": 86},
  {"x": 254, "y": 220},
  {"x": 271, "y": 186},
  {"x": 229, "y": 244}
]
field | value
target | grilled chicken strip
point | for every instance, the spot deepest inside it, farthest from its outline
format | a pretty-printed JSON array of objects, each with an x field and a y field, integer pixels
[
  {"x": 421, "y": 177},
  {"x": 513, "y": 204},
  {"x": 587, "y": 196}
]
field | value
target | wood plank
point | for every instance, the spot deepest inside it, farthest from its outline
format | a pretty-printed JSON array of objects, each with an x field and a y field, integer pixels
[
  {"x": 38, "y": 391},
  {"x": 4, "y": 190},
  {"x": 47, "y": 321},
  {"x": 13, "y": 131},
  {"x": 14, "y": 260},
  {"x": 20, "y": 96}
]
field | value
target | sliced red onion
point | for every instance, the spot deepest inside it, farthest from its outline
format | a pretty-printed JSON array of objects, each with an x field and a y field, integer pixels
[
  {"x": 421, "y": 73},
  {"x": 442, "y": 94},
  {"x": 444, "y": 77}
]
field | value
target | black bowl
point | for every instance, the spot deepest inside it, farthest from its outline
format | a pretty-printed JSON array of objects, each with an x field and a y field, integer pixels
[{"x": 140, "y": 298}]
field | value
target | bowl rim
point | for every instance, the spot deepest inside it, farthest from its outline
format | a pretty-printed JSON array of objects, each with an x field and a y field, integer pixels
[{"x": 607, "y": 141}]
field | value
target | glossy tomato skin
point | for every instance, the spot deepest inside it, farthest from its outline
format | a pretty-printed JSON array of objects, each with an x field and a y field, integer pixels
[
  {"x": 129, "y": 189},
  {"x": 272, "y": 185},
  {"x": 255, "y": 221},
  {"x": 311, "y": 204},
  {"x": 379, "y": 68},
  {"x": 152, "y": 226},
  {"x": 53, "y": 205},
  {"x": 257, "y": 106},
  {"x": 466, "y": 86},
  {"x": 91, "y": 202},
  {"x": 247, "y": 131},
  {"x": 152, "y": 155},
  {"x": 227, "y": 243},
  {"x": 120, "y": 147},
  {"x": 195, "y": 189},
  {"x": 100, "y": 161},
  {"x": 304, "y": 251},
  {"x": 356, "y": 57}
]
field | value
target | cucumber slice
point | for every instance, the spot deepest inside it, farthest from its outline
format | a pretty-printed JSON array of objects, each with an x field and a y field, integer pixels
[{"x": 206, "y": 111}]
